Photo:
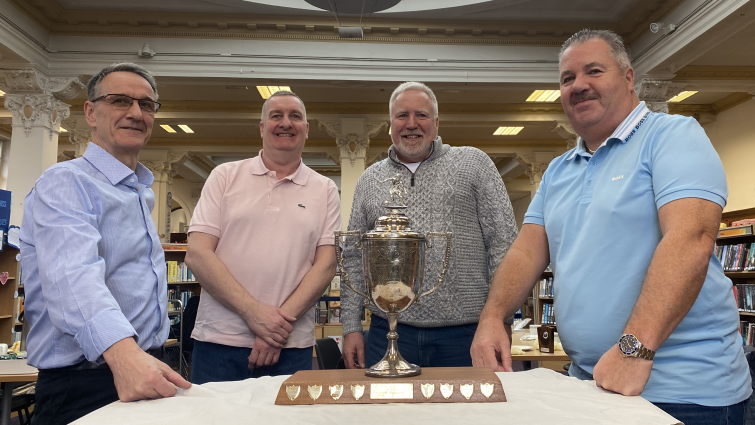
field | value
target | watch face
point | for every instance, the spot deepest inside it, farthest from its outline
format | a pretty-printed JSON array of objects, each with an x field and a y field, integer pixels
[{"x": 628, "y": 344}]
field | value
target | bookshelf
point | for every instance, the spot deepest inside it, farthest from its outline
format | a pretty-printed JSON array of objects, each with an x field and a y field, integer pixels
[
  {"x": 735, "y": 249},
  {"x": 542, "y": 296},
  {"x": 181, "y": 280},
  {"x": 9, "y": 293}
]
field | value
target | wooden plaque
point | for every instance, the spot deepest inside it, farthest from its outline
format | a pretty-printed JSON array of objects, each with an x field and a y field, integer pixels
[{"x": 351, "y": 386}]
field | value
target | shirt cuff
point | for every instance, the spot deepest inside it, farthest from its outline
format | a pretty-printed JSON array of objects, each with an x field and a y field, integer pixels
[
  {"x": 533, "y": 219},
  {"x": 204, "y": 229},
  {"x": 690, "y": 193},
  {"x": 102, "y": 331}
]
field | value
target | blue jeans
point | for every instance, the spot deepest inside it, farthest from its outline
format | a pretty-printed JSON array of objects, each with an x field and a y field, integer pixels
[
  {"x": 694, "y": 414},
  {"x": 212, "y": 362},
  {"x": 426, "y": 347}
]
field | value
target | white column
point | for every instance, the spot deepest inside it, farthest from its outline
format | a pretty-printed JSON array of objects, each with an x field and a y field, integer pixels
[
  {"x": 36, "y": 123},
  {"x": 535, "y": 166},
  {"x": 353, "y": 138},
  {"x": 163, "y": 172},
  {"x": 656, "y": 92}
]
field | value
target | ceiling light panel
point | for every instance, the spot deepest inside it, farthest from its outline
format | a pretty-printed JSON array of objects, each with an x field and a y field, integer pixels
[
  {"x": 267, "y": 91},
  {"x": 508, "y": 131},
  {"x": 2, "y": 93},
  {"x": 681, "y": 96},
  {"x": 544, "y": 96},
  {"x": 167, "y": 128},
  {"x": 185, "y": 128}
]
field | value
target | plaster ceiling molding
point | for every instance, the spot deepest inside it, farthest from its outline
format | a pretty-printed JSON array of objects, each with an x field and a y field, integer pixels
[
  {"x": 352, "y": 143},
  {"x": 31, "y": 80},
  {"x": 716, "y": 73},
  {"x": 565, "y": 130},
  {"x": 657, "y": 92}
]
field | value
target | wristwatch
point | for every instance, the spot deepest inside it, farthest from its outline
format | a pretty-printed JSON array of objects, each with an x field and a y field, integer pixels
[{"x": 630, "y": 346}]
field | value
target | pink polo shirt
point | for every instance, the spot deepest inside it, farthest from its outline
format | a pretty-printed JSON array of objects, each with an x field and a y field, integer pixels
[{"x": 268, "y": 231}]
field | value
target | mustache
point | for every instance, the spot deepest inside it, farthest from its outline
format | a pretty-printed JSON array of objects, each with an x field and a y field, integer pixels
[
  {"x": 412, "y": 133},
  {"x": 579, "y": 97}
]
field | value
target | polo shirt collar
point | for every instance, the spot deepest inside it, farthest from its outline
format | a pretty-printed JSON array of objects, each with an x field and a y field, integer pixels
[
  {"x": 623, "y": 132},
  {"x": 113, "y": 169},
  {"x": 299, "y": 176}
]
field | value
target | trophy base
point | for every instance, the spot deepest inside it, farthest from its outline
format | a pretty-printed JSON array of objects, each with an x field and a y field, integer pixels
[
  {"x": 384, "y": 369},
  {"x": 350, "y": 386}
]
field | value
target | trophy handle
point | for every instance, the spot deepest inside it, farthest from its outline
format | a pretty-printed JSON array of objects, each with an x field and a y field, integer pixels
[
  {"x": 446, "y": 259},
  {"x": 339, "y": 257}
]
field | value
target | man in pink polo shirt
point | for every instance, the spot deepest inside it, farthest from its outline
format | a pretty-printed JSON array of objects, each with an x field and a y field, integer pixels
[{"x": 261, "y": 245}]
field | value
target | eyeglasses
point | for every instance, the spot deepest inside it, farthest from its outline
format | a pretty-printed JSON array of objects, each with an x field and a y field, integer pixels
[{"x": 123, "y": 102}]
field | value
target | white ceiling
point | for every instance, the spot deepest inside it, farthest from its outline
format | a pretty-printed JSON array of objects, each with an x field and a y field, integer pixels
[
  {"x": 739, "y": 50},
  {"x": 490, "y": 10}
]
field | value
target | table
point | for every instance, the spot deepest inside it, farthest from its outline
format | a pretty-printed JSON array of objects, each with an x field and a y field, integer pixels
[
  {"x": 13, "y": 373},
  {"x": 535, "y": 355},
  {"x": 537, "y": 396}
]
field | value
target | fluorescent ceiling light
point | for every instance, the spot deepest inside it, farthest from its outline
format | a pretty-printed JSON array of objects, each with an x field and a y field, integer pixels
[
  {"x": 681, "y": 96},
  {"x": 2, "y": 93},
  {"x": 63, "y": 130},
  {"x": 508, "y": 131},
  {"x": 544, "y": 96},
  {"x": 267, "y": 91},
  {"x": 185, "y": 128},
  {"x": 389, "y": 131},
  {"x": 167, "y": 128}
]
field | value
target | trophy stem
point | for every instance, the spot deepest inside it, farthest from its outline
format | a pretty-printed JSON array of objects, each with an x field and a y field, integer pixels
[{"x": 392, "y": 365}]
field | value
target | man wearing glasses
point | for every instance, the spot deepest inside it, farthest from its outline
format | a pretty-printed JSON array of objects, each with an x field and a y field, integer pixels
[{"x": 96, "y": 291}]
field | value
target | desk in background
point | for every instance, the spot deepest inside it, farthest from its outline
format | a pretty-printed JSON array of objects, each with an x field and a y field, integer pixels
[
  {"x": 534, "y": 355},
  {"x": 12, "y": 374}
]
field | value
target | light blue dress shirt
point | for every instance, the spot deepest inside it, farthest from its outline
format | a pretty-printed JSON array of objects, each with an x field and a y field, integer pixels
[
  {"x": 93, "y": 265},
  {"x": 600, "y": 213}
]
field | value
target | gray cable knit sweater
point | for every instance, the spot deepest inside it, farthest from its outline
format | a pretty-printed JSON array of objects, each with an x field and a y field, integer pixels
[{"x": 456, "y": 189}]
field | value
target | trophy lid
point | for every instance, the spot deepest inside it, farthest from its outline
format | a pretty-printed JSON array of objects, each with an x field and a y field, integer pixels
[{"x": 395, "y": 224}]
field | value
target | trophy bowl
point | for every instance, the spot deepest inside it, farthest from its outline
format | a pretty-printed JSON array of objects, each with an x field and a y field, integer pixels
[{"x": 393, "y": 259}]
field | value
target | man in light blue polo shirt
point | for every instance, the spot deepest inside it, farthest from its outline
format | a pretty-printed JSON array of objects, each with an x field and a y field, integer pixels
[{"x": 628, "y": 219}]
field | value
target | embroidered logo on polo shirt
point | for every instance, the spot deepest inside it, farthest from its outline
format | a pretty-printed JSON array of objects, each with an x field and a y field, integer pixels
[
  {"x": 302, "y": 206},
  {"x": 617, "y": 178}
]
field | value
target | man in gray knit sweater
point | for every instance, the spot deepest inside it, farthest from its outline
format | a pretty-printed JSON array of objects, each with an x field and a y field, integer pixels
[{"x": 456, "y": 189}]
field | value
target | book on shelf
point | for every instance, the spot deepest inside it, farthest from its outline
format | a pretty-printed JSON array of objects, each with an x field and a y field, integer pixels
[
  {"x": 178, "y": 272},
  {"x": 335, "y": 283},
  {"x": 549, "y": 315},
  {"x": 177, "y": 294},
  {"x": 546, "y": 287},
  {"x": 174, "y": 247},
  {"x": 747, "y": 329},
  {"x": 745, "y": 295},
  {"x": 737, "y": 257},
  {"x": 735, "y": 231}
]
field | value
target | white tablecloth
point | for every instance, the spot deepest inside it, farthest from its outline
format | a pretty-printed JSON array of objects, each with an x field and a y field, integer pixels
[{"x": 538, "y": 396}]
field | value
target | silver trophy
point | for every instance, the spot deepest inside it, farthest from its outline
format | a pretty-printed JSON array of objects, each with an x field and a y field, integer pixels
[{"x": 393, "y": 256}]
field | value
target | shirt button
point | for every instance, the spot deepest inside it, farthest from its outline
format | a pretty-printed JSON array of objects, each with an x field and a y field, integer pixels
[
  {"x": 132, "y": 180},
  {"x": 153, "y": 264},
  {"x": 589, "y": 182}
]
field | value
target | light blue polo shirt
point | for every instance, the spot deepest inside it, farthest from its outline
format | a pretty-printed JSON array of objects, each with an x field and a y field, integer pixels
[{"x": 600, "y": 213}]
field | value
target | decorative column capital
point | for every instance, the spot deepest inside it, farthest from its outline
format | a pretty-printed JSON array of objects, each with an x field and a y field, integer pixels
[
  {"x": 656, "y": 92},
  {"x": 32, "y": 110},
  {"x": 565, "y": 130},
  {"x": 160, "y": 169},
  {"x": 355, "y": 139},
  {"x": 18, "y": 81},
  {"x": 533, "y": 169},
  {"x": 78, "y": 135}
]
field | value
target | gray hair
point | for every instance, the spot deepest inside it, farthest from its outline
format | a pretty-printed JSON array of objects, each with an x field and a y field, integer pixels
[
  {"x": 282, "y": 93},
  {"x": 413, "y": 85},
  {"x": 614, "y": 41},
  {"x": 93, "y": 88}
]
